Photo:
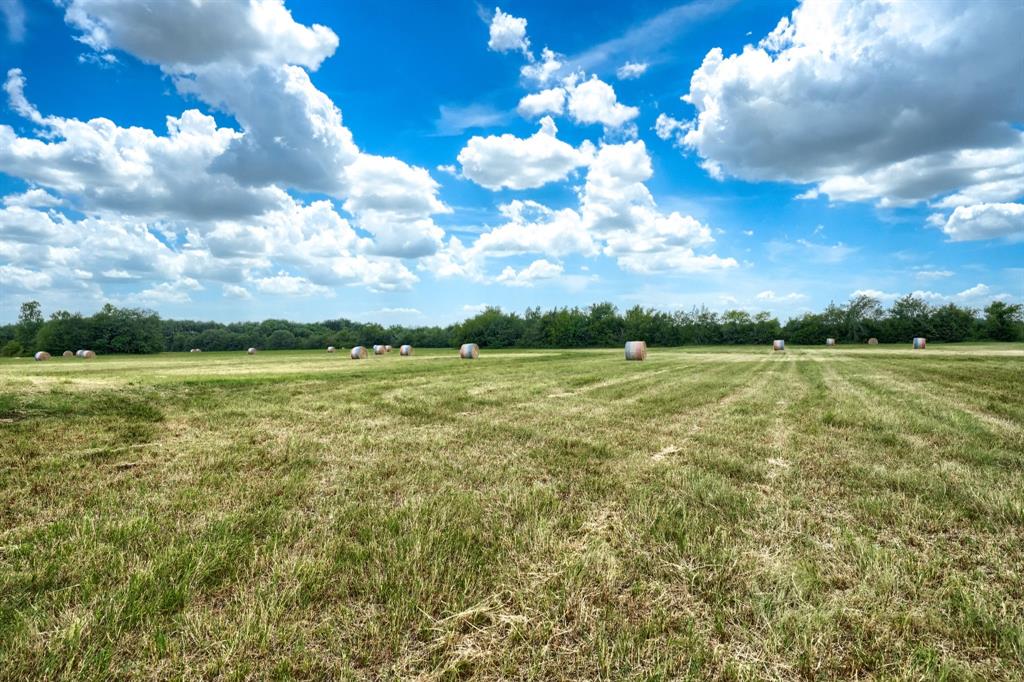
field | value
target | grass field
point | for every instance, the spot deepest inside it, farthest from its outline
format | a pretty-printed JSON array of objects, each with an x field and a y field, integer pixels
[{"x": 709, "y": 513}]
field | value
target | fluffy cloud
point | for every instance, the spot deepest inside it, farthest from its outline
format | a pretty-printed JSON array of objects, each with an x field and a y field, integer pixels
[
  {"x": 617, "y": 216},
  {"x": 594, "y": 101},
  {"x": 33, "y": 198},
  {"x": 550, "y": 101},
  {"x": 166, "y": 292},
  {"x": 235, "y": 291},
  {"x": 283, "y": 284},
  {"x": 508, "y": 33},
  {"x": 543, "y": 72},
  {"x": 499, "y": 161},
  {"x": 977, "y": 294},
  {"x": 985, "y": 221},
  {"x": 394, "y": 201},
  {"x": 130, "y": 171},
  {"x": 208, "y": 203},
  {"x": 770, "y": 295},
  {"x": 631, "y": 70},
  {"x": 541, "y": 269},
  {"x": 870, "y": 100},
  {"x": 534, "y": 228},
  {"x": 196, "y": 35},
  {"x": 668, "y": 128}
]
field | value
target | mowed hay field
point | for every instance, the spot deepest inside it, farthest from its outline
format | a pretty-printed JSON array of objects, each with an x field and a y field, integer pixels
[{"x": 708, "y": 513}]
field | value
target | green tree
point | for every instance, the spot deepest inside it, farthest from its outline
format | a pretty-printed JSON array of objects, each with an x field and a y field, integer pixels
[
  {"x": 857, "y": 317},
  {"x": 12, "y": 348},
  {"x": 281, "y": 339},
  {"x": 1003, "y": 321},
  {"x": 30, "y": 320}
]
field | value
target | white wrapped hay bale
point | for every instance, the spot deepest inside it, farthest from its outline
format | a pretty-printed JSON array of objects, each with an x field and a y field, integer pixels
[
  {"x": 830, "y": 342},
  {"x": 195, "y": 350},
  {"x": 41, "y": 355},
  {"x": 67, "y": 354},
  {"x": 919, "y": 343},
  {"x": 872, "y": 341},
  {"x": 469, "y": 351},
  {"x": 358, "y": 353},
  {"x": 80, "y": 353},
  {"x": 251, "y": 351},
  {"x": 636, "y": 350},
  {"x": 778, "y": 345},
  {"x": 330, "y": 349},
  {"x": 405, "y": 350},
  {"x": 387, "y": 348},
  {"x": 379, "y": 349}
]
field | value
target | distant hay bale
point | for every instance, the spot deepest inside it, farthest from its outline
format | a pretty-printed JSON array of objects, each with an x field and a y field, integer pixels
[
  {"x": 387, "y": 348},
  {"x": 406, "y": 349},
  {"x": 919, "y": 343},
  {"x": 379, "y": 349},
  {"x": 80, "y": 353},
  {"x": 872, "y": 341},
  {"x": 330, "y": 349},
  {"x": 778, "y": 344},
  {"x": 88, "y": 354},
  {"x": 67, "y": 354},
  {"x": 41, "y": 355},
  {"x": 358, "y": 353},
  {"x": 195, "y": 350},
  {"x": 830, "y": 342},
  {"x": 469, "y": 351},
  {"x": 251, "y": 351},
  {"x": 636, "y": 350}
]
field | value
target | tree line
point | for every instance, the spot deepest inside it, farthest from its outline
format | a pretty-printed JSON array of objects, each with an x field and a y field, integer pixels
[{"x": 131, "y": 330}]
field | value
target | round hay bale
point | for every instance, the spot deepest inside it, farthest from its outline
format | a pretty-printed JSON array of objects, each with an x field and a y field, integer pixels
[
  {"x": 358, "y": 353},
  {"x": 406, "y": 349},
  {"x": 636, "y": 350},
  {"x": 830, "y": 342},
  {"x": 79, "y": 353},
  {"x": 778, "y": 345},
  {"x": 919, "y": 343},
  {"x": 872, "y": 341},
  {"x": 41, "y": 355},
  {"x": 469, "y": 351},
  {"x": 88, "y": 354},
  {"x": 251, "y": 351},
  {"x": 67, "y": 354},
  {"x": 387, "y": 348},
  {"x": 378, "y": 349},
  {"x": 330, "y": 349}
]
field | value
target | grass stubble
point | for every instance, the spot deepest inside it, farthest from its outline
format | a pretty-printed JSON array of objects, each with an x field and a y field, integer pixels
[{"x": 706, "y": 514}]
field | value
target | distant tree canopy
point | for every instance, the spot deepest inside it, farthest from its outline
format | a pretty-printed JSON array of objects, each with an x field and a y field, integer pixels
[{"x": 130, "y": 330}]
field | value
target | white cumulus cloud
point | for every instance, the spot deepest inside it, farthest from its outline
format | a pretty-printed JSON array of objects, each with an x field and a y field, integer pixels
[
  {"x": 985, "y": 221},
  {"x": 538, "y": 270},
  {"x": 498, "y": 161},
  {"x": 631, "y": 70},
  {"x": 871, "y": 100},
  {"x": 508, "y": 33}
]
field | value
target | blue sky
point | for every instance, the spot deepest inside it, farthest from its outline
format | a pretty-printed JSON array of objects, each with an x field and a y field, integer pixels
[{"x": 413, "y": 162}]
